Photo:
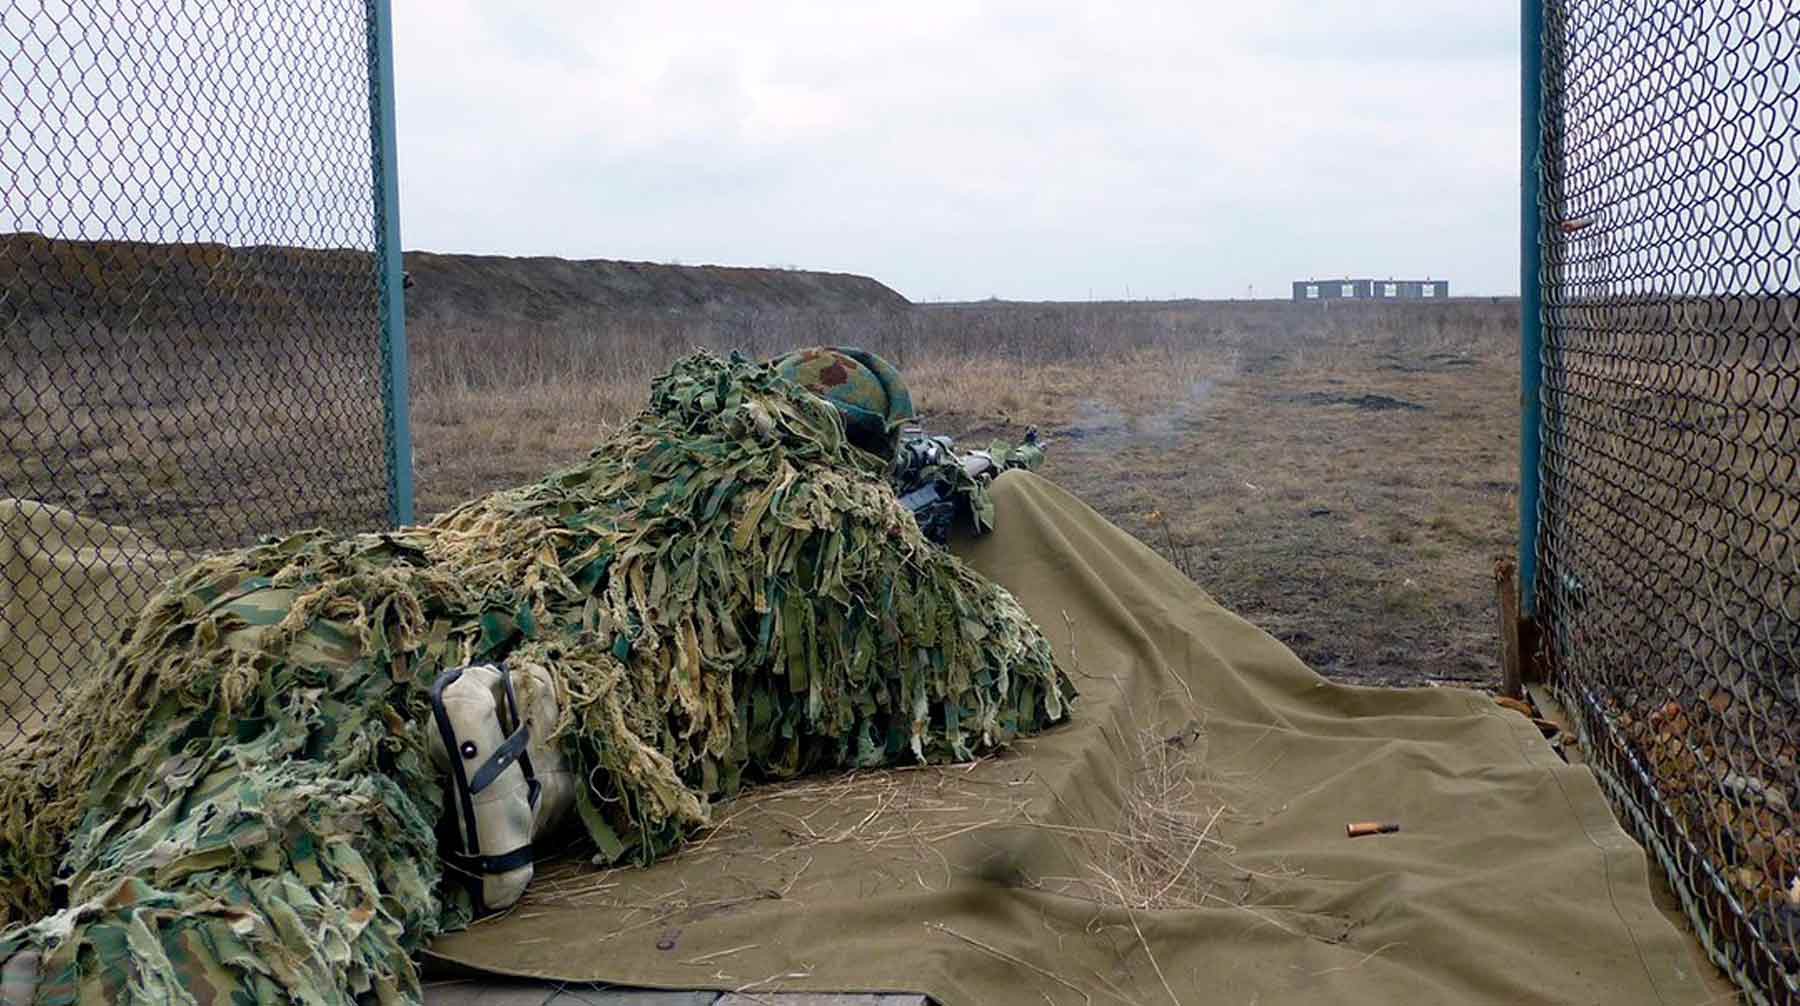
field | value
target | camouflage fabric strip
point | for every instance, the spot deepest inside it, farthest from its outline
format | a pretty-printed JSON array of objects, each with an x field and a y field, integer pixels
[{"x": 239, "y": 801}]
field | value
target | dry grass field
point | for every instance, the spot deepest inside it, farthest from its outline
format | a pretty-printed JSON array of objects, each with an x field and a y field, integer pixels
[{"x": 1342, "y": 476}]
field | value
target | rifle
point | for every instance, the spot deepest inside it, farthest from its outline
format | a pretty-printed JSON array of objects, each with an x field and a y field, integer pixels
[{"x": 941, "y": 486}]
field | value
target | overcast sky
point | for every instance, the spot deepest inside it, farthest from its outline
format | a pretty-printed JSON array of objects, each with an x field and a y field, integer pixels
[{"x": 1033, "y": 150}]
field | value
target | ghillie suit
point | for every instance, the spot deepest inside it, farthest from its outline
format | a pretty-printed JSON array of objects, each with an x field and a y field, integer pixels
[
  {"x": 941, "y": 486},
  {"x": 241, "y": 799}
]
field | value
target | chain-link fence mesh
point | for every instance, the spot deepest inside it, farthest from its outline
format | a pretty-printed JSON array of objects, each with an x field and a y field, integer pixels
[
  {"x": 189, "y": 302},
  {"x": 1671, "y": 468}
]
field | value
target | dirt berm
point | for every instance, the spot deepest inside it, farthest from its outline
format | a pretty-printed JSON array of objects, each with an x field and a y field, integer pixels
[
  {"x": 451, "y": 288},
  {"x": 138, "y": 284}
]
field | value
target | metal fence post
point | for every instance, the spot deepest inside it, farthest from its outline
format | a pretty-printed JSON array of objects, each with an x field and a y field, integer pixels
[
  {"x": 395, "y": 401},
  {"x": 1531, "y": 302}
]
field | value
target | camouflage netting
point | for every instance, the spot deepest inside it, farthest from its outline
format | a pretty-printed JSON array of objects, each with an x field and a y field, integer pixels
[{"x": 241, "y": 798}]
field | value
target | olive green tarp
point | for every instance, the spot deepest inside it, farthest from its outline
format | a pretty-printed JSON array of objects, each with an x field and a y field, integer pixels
[{"x": 1508, "y": 882}]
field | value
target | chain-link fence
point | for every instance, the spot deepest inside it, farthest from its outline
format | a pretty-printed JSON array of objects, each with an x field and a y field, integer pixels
[
  {"x": 1667, "y": 578},
  {"x": 193, "y": 289}
]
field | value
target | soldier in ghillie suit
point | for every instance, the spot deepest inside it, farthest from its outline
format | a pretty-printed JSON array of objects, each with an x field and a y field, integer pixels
[
  {"x": 939, "y": 485},
  {"x": 242, "y": 802},
  {"x": 866, "y": 389}
]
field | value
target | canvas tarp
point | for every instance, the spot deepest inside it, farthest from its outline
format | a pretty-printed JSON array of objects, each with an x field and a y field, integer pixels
[
  {"x": 1508, "y": 881},
  {"x": 65, "y": 582}
]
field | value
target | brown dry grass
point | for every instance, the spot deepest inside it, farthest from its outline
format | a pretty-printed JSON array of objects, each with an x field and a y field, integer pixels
[
  {"x": 198, "y": 443},
  {"x": 1168, "y": 849},
  {"x": 1361, "y": 537}
]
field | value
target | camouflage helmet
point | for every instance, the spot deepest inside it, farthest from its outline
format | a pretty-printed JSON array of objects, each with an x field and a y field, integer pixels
[{"x": 866, "y": 389}]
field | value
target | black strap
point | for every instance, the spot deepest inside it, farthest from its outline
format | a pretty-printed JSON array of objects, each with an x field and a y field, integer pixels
[
  {"x": 516, "y": 747},
  {"x": 505, "y": 862},
  {"x": 503, "y": 756},
  {"x": 518, "y": 716}
]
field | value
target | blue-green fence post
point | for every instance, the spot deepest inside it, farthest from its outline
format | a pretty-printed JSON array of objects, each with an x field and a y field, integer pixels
[
  {"x": 387, "y": 250},
  {"x": 1531, "y": 300}
]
